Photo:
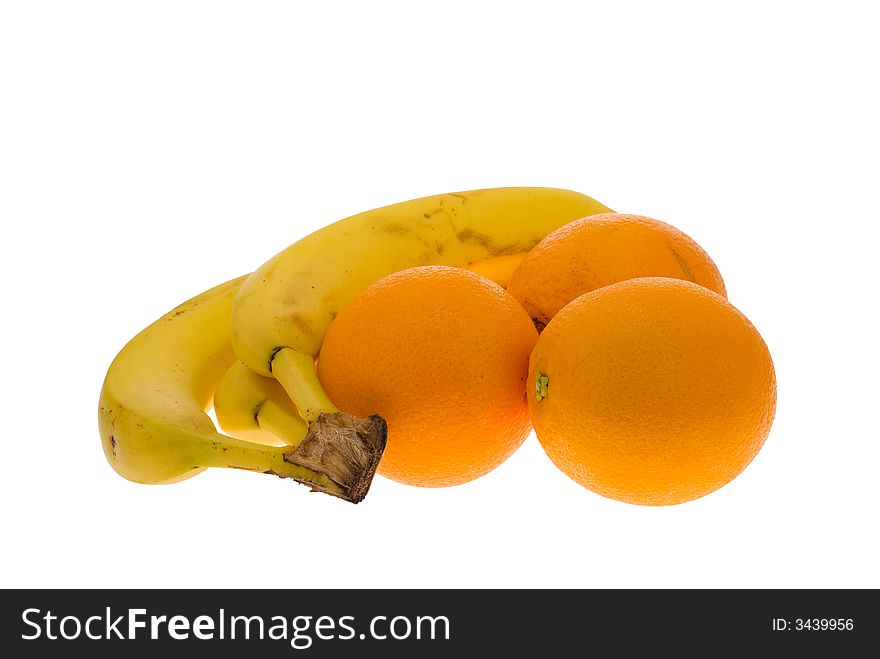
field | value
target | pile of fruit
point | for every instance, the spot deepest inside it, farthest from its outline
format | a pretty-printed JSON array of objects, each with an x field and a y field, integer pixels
[{"x": 426, "y": 339}]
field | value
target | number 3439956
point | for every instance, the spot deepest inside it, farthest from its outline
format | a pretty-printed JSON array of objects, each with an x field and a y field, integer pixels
[{"x": 813, "y": 624}]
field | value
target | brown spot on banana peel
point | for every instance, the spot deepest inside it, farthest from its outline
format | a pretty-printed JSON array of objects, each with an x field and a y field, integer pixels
[
  {"x": 303, "y": 324},
  {"x": 471, "y": 236},
  {"x": 450, "y": 211},
  {"x": 454, "y": 199},
  {"x": 395, "y": 229},
  {"x": 181, "y": 309},
  {"x": 269, "y": 272},
  {"x": 409, "y": 232},
  {"x": 485, "y": 241}
]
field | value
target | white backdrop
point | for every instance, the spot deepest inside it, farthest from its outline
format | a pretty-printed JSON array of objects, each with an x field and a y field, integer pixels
[{"x": 151, "y": 150}]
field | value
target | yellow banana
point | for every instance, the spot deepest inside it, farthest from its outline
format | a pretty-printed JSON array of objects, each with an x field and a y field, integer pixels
[
  {"x": 152, "y": 418},
  {"x": 282, "y": 311},
  {"x": 255, "y": 408}
]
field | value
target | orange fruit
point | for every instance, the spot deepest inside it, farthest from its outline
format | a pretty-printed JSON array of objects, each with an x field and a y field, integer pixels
[
  {"x": 442, "y": 354},
  {"x": 653, "y": 391},
  {"x": 604, "y": 249}
]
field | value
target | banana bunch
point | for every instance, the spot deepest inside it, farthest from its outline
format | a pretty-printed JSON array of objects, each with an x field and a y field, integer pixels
[
  {"x": 249, "y": 346},
  {"x": 152, "y": 417}
]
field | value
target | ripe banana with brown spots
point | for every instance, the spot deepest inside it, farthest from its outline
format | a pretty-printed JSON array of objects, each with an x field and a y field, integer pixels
[
  {"x": 283, "y": 310},
  {"x": 153, "y": 424}
]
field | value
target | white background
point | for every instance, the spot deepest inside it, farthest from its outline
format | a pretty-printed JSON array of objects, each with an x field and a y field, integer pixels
[{"x": 151, "y": 150}]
